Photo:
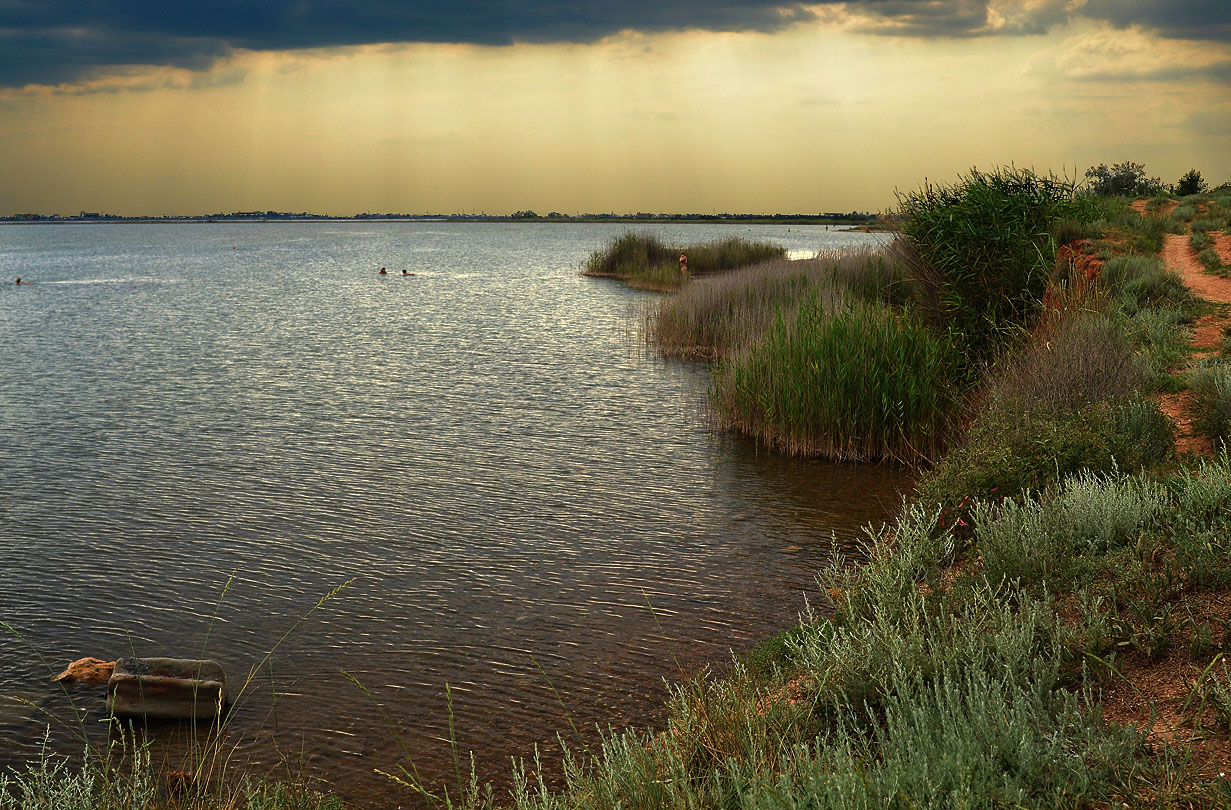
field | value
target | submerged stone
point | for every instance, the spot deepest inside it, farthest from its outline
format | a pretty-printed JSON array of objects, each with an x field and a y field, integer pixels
[{"x": 166, "y": 688}]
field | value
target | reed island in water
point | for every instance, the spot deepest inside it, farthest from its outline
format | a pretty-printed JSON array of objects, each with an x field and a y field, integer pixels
[{"x": 1044, "y": 621}]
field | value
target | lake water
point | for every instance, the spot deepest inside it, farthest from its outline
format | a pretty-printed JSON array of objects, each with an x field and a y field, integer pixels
[{"x": 528, "y": 508}]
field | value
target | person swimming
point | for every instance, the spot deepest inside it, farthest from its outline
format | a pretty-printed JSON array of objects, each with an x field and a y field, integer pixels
[
  {"x": 382, "y": 272},
  {"x": 406, "y": 273}
]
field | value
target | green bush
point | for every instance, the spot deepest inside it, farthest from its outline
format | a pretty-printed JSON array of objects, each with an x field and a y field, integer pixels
[
  {"x": 1184, "y": 212},
  {"x": 1140, "y": 435},
  {"x": 1212, "y": 262},
  {"x": 984, "y": 250},
  {"x": 1007, "y": 453},
  {"x": 1125, "y": 179},
  {"x": 1191, "y": 182},
  {"x": 859, "y": 382},
  {"x": 1199, "y": 241}
]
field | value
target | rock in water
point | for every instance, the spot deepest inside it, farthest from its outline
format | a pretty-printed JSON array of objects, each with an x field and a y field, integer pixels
[{"x": 166, "y": 688}]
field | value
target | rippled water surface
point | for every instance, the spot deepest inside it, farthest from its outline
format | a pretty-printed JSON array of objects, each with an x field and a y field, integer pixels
[{"x": 524, "y": 504}]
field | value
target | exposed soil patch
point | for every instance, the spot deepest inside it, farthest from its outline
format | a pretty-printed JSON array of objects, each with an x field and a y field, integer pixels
[
  {"x": 1208, "y": 333},
  {"x": 1164, "y": 698},
  {"x": 1179, "y": 409}
]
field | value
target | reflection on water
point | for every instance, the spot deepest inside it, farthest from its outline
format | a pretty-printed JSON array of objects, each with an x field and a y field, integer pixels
[{"x": 525, "y": 504}]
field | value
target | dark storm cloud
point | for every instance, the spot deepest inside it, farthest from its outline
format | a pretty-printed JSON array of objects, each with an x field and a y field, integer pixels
[
  {"x": 53, "y": 41},
  {"x": 924, "y": 18},
  {"x": 1180, "y": 19}
]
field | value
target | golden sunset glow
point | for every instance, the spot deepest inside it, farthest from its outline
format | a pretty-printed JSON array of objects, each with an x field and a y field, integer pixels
[{"x": 818, "y": 116}]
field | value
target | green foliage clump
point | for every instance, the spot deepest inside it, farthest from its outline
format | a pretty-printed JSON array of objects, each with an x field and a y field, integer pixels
[
  {"x": 1212, "y": 262},
  {"x": 1191, "y": 182},
  {"x": 1205, "y": 224},
  {"x": 859, "y": 382},
  {"x": 985, "y": 250},
  {"x": 1125, "y": 179},
  {"x": 1065, "y": 404},
  {"x": 1184, "y": 213}
]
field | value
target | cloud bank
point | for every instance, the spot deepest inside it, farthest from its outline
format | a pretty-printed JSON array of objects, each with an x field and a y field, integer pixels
[{"x": 49, "y": 42}]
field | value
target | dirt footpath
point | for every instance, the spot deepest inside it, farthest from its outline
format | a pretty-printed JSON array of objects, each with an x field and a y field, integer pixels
[{"x": 1208, "y": 332}]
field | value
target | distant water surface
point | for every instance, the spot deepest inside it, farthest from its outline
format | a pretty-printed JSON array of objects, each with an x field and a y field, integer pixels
[{"x": 526, "y": 503}]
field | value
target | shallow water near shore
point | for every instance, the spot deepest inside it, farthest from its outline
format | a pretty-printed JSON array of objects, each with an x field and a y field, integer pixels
[{"x": 527, "y": 504}]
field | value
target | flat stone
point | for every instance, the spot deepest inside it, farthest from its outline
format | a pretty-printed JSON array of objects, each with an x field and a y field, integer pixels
[{"x": 167, "y": 688}]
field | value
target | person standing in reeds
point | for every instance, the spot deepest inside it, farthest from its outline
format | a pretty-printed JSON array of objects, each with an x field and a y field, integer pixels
[{"x": 683, "y": 263}]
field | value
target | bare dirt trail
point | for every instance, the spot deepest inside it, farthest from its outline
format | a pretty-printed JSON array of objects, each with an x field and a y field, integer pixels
[
  {"x": 1178, "y": 257},
  {"x": 1208, "y": 332}
]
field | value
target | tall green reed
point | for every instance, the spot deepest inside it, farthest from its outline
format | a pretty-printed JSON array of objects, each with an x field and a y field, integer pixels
[
  {"x": 858, "y": 381},
  {"x": 983, "y": 248}
]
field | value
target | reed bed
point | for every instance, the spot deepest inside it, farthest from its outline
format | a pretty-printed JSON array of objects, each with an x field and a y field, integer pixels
[
  {"x": 645, "y": 261},
  {"x": 846, "y": 380},
  {"x": 715, "y": 316}
]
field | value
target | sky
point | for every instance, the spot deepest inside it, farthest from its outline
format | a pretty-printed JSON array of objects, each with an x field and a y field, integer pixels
[{"x": 136, "y": 107}]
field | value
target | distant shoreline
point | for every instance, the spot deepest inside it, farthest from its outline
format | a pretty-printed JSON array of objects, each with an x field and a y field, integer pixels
[{"x": 853, "y": 220}]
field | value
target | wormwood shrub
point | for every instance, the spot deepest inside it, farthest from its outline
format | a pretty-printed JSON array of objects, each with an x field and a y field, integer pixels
[
  {"x": 861, "y": 383},
  {"x": 1041, "y": 541},
  {"x": 966, "y": 740},
  {"x": 1212, "y": 401},
  {"x": 1143, "y": 280},
  {"x": 1203, "y": 496},
  {"x": 985, "y": 248},
  {"x": 1212, "y": 262}
]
